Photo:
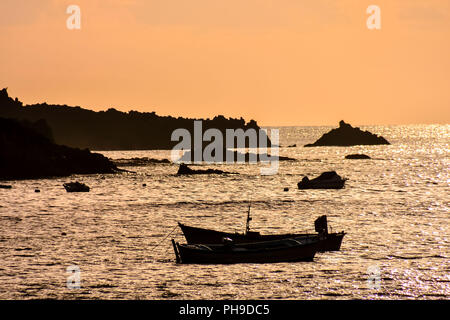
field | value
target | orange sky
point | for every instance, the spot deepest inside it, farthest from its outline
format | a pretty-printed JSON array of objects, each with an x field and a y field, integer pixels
[{"x": 280, "y": 62}]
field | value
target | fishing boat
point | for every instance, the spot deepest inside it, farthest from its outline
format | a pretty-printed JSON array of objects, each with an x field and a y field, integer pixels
[
  {"x": 326, "y": 241},
  {"x": 285, "y": 250},
  {"x": 327, "y": 180}
]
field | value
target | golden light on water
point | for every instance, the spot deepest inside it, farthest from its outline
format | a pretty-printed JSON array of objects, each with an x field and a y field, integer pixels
[{"x": 394, "y": 210}]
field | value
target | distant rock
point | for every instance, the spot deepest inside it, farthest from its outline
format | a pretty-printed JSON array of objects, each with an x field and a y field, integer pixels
[
  {"x": 184, "y": 169},
  {"x": 137, "y": 162},
  {"x": 346, "y": 135},
  {"x": 357, "y": 156},
  {"x": 27, "y": 153},
  {"x": 236, "y": 155},
  {"x": 5, "y": 186}
]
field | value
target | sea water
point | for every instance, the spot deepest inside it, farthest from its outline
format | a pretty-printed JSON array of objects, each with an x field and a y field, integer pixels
[{"x": 394, "y": 209}]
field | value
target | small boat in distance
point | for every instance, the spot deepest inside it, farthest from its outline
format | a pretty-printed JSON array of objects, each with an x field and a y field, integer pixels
[
  {"x": 285, "y": 250},
  {"x": 327, "y": 180},
  {"x": 76, "y": 187},
  {"x": 326, "y": 241}
]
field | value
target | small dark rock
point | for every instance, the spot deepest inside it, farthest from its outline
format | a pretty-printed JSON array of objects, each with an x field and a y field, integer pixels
[
  {"x": 357, "y": 156},
  {"x": 184, "y": 169},
  {"x": 135, "y": 162},
  {"x": 236, "y": 156}
]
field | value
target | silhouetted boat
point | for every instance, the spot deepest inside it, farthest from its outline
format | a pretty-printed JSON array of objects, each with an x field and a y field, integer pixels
[
  {"x": 326, "y": 241},
  {"x": 327, "y": 180},
  {"x": 76, "y": 187},
  {"x": 285, "y": 250}
]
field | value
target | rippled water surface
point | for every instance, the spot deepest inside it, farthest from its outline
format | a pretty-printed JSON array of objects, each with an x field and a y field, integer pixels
[{"x": 395, "y": 209}]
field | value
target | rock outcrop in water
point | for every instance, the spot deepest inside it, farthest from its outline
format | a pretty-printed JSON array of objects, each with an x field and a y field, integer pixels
[
  {"x": 139, "y": 162},
  {"x": 184, "y": 169},
  {"x": 234, "y": 156},
  {"x": 26, "y": 153},
  {"x": 346, "y": 135},
  {"x": 112, "y": 129},
  {"x": 357, "y": 156}
]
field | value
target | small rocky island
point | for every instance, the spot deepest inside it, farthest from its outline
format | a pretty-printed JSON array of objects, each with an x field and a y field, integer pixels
[
  {"x": 27, "y": 151},
  {"x": 346, "y": 135}
]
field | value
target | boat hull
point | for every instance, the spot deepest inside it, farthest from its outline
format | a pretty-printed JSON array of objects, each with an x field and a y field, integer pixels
[
  {"x": 194, "y": 235},
  {"x": 287, "y": 250}
]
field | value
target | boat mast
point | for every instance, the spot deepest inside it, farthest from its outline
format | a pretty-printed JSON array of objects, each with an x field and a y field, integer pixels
[{"x": 247, "y": 228}]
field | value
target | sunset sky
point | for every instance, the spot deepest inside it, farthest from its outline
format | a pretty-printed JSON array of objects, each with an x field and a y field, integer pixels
[{"x": 280, "y": 62}]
